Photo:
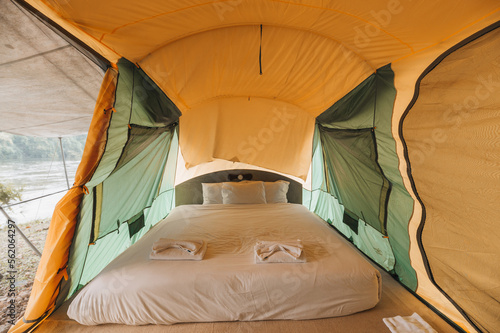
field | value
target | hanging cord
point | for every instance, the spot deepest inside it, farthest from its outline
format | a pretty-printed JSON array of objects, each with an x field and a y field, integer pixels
[{"x": 260, "y": 51}]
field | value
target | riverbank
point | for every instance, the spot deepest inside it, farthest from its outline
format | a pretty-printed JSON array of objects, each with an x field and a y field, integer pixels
[
  {"x": 46, "y": 179},
  {"x": 26, "y": 264}
]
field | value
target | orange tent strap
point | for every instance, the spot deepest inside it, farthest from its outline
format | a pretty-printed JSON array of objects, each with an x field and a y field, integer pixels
[
  {"x": 62, "y": 226},
  {"x": 65, "y": 274}
]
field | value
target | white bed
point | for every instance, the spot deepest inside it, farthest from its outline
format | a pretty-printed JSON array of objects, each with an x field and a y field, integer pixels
[{"x": 227, "y": 285}]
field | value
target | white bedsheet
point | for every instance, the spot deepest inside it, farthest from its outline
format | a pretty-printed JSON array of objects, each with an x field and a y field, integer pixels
[{"x": 227, "y": 285}]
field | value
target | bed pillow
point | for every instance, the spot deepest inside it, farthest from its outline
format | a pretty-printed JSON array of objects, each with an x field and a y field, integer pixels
[
  {"x": 243, "y": 193},
  {"x": 276, "y": 191},
  {"x": 212, "y": 193}
]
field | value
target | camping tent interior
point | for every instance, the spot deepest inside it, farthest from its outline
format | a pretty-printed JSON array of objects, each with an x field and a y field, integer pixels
[{"x": 386, "y": 111}]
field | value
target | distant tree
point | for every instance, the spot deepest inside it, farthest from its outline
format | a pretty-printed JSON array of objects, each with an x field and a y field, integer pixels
[
  {"x": 18, "y": 147},
  {"x": 9, "y": 193}
]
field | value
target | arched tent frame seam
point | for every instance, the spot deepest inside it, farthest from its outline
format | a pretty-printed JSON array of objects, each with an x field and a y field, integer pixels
[
  {"x": 256, "y": 24},
  {"x": 421, "y": 225},
  {"x": 280, "y": 1},
  {"x": 220, "y": 97}
]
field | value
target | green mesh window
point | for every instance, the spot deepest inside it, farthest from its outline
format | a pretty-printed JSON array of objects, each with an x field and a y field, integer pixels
[
  {"x": 139, "y": 138},
  {"x": 353, "y": 174},
  {"x": 386, "y": 206}
]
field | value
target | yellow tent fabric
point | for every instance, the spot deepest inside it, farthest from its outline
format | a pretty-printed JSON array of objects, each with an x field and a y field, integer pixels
[{"x": 265, "y": 133}]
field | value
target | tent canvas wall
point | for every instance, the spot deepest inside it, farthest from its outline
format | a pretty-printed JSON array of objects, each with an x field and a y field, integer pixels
[{"x": 387, "y": 112}]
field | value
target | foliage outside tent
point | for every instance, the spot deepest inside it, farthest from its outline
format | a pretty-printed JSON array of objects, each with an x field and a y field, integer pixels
[
  {"x": 9, "y": 193},
  {"x": 17, "y": 147}
]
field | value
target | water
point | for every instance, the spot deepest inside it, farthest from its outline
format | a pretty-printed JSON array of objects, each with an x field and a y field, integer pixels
[{"x": 37, "y": 178}]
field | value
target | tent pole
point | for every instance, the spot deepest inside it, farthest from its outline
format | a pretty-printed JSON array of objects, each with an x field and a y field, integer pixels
[
  {"x": 20, "y": 232},
  {"x": 64, "y": 162}
]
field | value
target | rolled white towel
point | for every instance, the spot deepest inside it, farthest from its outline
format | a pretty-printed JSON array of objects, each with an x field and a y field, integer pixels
[
  {"x": 191, "y": 247},
  {"x": 279, "y": 251},
  {"x": 169, "y": 249}
]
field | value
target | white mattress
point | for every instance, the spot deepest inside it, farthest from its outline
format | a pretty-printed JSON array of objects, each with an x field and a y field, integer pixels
[{"x": 227, "y": 285}]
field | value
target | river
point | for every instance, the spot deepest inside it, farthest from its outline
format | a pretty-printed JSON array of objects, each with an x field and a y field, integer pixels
[{"x": 38, "y": 178}]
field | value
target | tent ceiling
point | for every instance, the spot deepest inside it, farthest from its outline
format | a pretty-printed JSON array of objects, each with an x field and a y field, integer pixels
[
  {"x": 300, "y": 68},
  {"x": 379, "y": 31},
  {"x": 367, "y": 34}
]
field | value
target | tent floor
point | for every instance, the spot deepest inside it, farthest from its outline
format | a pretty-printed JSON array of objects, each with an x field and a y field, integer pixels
[{"x": 396, "y": 300}]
